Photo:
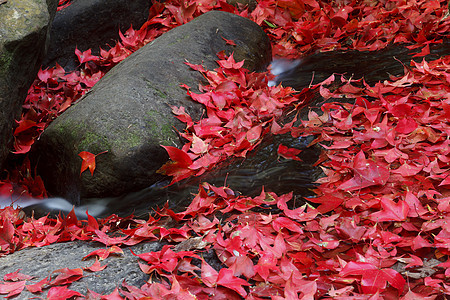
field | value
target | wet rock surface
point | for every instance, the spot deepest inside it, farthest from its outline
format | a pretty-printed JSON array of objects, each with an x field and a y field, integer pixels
[
  {"x": 91, "y": 24},
  {"x": 121, "y": 267},
  {"x": 374, "y": 66}
]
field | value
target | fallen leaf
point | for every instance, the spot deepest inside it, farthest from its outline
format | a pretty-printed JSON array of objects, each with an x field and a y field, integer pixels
[{"x": 88, "y": 161}]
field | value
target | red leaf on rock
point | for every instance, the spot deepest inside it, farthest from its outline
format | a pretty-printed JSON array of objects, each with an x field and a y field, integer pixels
[
  {"x": 12, "y": 288},
  {"x": 85, "y": 56},
  {"x": 401, "y": 125},
  {"x": 96, "y": 266},
  {"x": 288, "y": 153},
  {"x": 108, "y": 241},
  {"x": 66, "y": 276},
  {"x": 92, "y": 222},
  {"x": 230, "y": 63},
  {"x": 16, "y": 276},
  {"x": 88, "y": 161},
  {"x": 104, "y": 253},
  {"x": 178, "y": 166},
  {"x": 182, "y": 115},
  {"x": 229, "y": 42},
  {"x": 61, "y": 292},
  {"x": 37, "y": 287},
  {"x": 178, "y": 156}
]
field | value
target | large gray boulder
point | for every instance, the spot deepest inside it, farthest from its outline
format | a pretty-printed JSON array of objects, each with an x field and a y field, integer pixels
[
  {"x": 127, "y": 112},
  {"x": 24, "y": 26},
  {"x": 120, "y": 267},
  {"x": 91, "y": 24},
  {"x": 41, "y": 262}
]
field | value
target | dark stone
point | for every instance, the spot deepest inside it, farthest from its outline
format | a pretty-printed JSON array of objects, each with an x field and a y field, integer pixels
[
  {"x": 90, "y": 24},
  {"x": 127, "y": 112},
  {"x": 250, "y": 4},
  {"x": 24, "y": 30},
  {"x": 373, "y": 65},
  {"x": 41, "y": 262}
]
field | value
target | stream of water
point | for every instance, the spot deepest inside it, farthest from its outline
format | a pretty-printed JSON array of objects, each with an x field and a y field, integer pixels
[{"x": 246, "y": 176}]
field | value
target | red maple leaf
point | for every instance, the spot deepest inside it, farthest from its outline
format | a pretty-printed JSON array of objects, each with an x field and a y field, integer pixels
[
  {"x": 229, "y": 42},
  {"x": 178, "y": 167},
  {"x": 85, "y": 56},
  {"x": 227, "y": 279},
  {"x": 288, "y": 153},
  {"x": 366, "y": 173},
  {"x": 391, "y": 211},
  {"x": 66, "y": 276},
  {"x": 95, "y": 267},
  {"x": 37, "y": 287},
  {"x": 104, "y": 253},
  {"x": 88, "y": 161},
  {"x": 12, "y": 288},
  {"x": 61, "y": 292},
  {"x": 373, "y": 278},
  {"x": 16, "y": 276}
]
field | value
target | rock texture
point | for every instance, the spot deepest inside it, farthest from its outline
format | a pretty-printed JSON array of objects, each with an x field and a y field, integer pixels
[
  {"x": 128, "y": 114},
  {"x": 373, "y": 65},
  {"x": 91, "y": 24},
  {"x": 24, "y": 30},
  {"x": 250, "y": 4},
  {"x": 41, "y": 262}
]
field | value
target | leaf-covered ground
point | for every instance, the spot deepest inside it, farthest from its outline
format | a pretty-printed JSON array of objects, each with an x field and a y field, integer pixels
[{"x": 380, "y": 226}]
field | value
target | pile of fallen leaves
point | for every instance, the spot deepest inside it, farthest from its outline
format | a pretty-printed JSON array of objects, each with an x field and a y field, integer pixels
[
  {"x": 240, "y": 110},
  {"x": 379, "y": 230}
]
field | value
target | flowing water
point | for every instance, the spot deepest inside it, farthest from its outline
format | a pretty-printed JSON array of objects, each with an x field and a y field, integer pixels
[{"x": 246, "y": 176}]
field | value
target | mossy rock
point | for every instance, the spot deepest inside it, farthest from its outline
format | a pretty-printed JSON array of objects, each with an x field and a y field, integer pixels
[
  {"x": 23, "y": 43},
  {"x": 128, "y": 114}
]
